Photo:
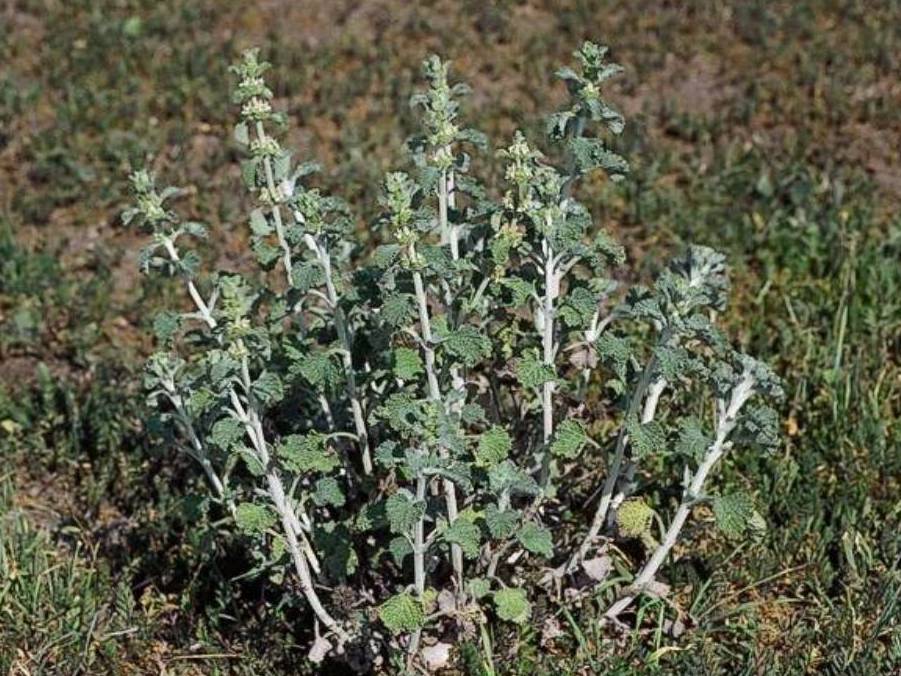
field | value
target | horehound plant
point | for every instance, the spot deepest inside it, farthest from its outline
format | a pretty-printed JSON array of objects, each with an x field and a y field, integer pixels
[{"x": 496, "y": 342}]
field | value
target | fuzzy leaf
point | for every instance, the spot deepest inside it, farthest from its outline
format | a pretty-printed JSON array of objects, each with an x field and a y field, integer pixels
[
  {"x": 400, "y": 548},
  {"x": 259, "y": 225},
  {"x": 166, "y": 325},
  {"x": 397, "y": 310},
  {"x": 569, "y": 439},
  {"x": 493, "y": 447},
  {"x": 512, "y": 605},
  {"x": 579, "y": 308},
  {"x": 467, "y": 344},
  {"x": 268, "y": 388},
  {"x": 403, "y": 512},
  {"x": 733, "y": 513},
  {"x": 615, "y": 351},
  {"x": 242, "y": 136},
  {"x": 759, "y": 426},
  {"x": 532, "y": 373},
  {"x": 251, "y": 461},
  {"x": 590, "y": 154},
  {"x": 253, "y": 519},
  {"x": 328, "y": 492},
  {"x": 500, "y": 524},
  {"x": 646, "y": 439},
  {"x": 465, "y": 533},
  {"x": 407, "y": 363},
  {"x": 692, "y": 441},
  {"x": 227, "y": 433},
  {"x": 402, "y": 613},
  {"x": 317, "y": 368},
  {"x": 307, "y": 453},
  {"x": 478, "y": 587},
  {"x": 536, "y": 539},
  {"x": 521, "y": 290},
  {"x": 507, "y": 477}
]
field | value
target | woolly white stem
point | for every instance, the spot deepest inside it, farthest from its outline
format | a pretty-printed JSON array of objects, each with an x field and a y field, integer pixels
[
  {"x": 419, "y": 547},
  {"x": 613, "y": 471},
  {"x": 725, "y": 425},
  {"x": 647, "y": 415},
  {"x": 276, "y": 212},
  {"x": 350, "y": 378},
  {"x": 450, "y": 490}
]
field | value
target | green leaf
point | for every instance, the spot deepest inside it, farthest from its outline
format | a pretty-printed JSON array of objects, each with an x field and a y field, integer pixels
[
  {"x": 579, "y": 308},
  {"x": 254, "y": 466},
  {"x": 403, "y": 512},
  {"x": 465, "y": 533},
  {"x": 507, "y": 477},
  {"x": 569, "y": 439},
  {"x": 616, "y": 352},
  {"x": 521, "y": 290},
  {"x": 532, "y": 373},
  {"x": 493, "y": 447},
  {"x": 268, "y": 388},
  {"x": 512, "y": 605},
  {"x": 403, "y": 413},
  {"x": 227, "y": 433},
  {"x": 266, "y": 253},
  {"x": 500, "y": 524},
  {"x": 733, "y": 513},
  {"x": 467, "y": 344},
  {"x": 242, "y": 136},
  {"x": 253, "y": 519},
  {"x": 397, "y": 310},
  {"x": 259, "y": 225},
  {"x": 317, "y": 368},
  {"x": 759, "y": 426},
  {"x": 692, "y": 441},
  {"x": 400, "y": 548},
  {"x": 472, "y": 413},
  {"x": 590, "y": 154},
  {"x": 328, "y": 492},
  {"x": 307, "y": 453},
  {"x": 401, "y": 614},
  {"x": 407, "y": 363},
  {"x": 371, "y": 517},
  {"x": 478, "y": 587},
  {"x": 633, "y": 518},
  {"x": 646, "y": 439},
  {"x": 166, "y": 325},
  {"x": 536, "y": 539},
  {"x": 335, "y": 543},
  {"x": 306, "y": 276}
]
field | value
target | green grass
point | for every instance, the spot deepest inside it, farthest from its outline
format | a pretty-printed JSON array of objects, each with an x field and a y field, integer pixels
[{"x": 771, "y": 132}]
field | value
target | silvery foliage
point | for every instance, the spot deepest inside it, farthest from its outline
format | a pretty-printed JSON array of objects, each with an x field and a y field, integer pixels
[{"x": 422, "y": 411}]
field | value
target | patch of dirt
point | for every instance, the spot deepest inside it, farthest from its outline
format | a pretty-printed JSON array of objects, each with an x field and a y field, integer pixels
[
  {"x": 876, "y": 151},
  {"x": 699, "y": 86}
]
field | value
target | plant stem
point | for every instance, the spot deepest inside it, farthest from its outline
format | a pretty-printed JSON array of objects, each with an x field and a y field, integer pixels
[
  {"x": 300, "y": 552},
  {"x": 647, "y": 415},
  {"x": 613, "y": 472},
  {"x": 725, "y": 425},
  {"x": 201, "y": 305},
  {"x": 199, "y": 453},
  {"x": 344, "y": 336},
  {"x": 551, "y": 284},
  {"x": 418, "y": 559},
  {"x": 276, "y": 212},
  {"x": 450, "y": 490}
]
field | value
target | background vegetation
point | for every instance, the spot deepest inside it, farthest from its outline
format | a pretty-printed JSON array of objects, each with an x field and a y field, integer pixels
[{"x": 770, "y": 130}]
